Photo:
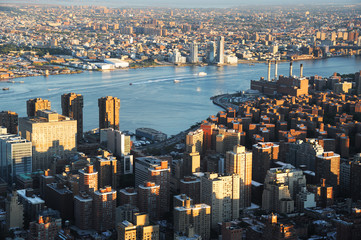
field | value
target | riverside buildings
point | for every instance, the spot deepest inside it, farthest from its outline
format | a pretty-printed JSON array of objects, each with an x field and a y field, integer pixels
[
  {"x": 109, "y": 112},
  {"x": 51, "y": 134},
  {"x": 72, "y": 106}
]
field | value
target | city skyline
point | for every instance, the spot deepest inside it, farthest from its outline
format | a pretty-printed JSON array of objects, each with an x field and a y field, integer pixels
[{"x": 184, "y": 4}]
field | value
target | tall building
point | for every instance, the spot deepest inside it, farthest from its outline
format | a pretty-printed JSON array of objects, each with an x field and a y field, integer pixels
[
  {"x": 33, "y": 105},
  {"x": 220, "y": 50},
  {"x": 141, "y": 168},
  {"x": 51, "y": 134},
  {"x": 107, "y": 171},
  {"x": 195, "y": 138},
  {"x": 72, "y": 106},
  {"x": 356, "y": 180},
  {"x": 208, "y": 129},
  {"x": 59, "y": 197},
  {"x": 191, "y": 186},
  {"x": 304, "y": 153},
  {"x": 14, "y": 211},
  {"x": 128, "y": 196},
  {"x": 115, "y": 141},
  {"x": 264, "y": 154},
  {"x": 138, "y": 230},
  {"x": 222, "y": 194},
  {"x": 32, "y": 205},
  {"x": 197, "y": 216},
  {"x": 148, "y": 199},
  {"x": 328, "y": 167},
  {"x": 160, "y": 175},
  {"x": 88, "y": 179},
  {"x": 226, "y": 139},
  {"x": 239, "y": 161},
  {"x": 46, "y": 227},
  {"x": 104, "y": 204},
  {"x": 358, "y": 77},
  {"x": 281, "y": 187},
  {"x": 15, "y": 157},
  {"x": 211, "y": 52},
  {"x": 194, "y": 52},
  {"x": 83, "y": 211},
  {"x": 323, "y": 193},
  {"x": 191, "y": 161},
  {"x": 9, "y": 120},
  {"x": 109, "y": 112}
]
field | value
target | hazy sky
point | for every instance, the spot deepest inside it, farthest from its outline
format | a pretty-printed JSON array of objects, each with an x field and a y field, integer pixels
[{"x": 180, "y": 3}]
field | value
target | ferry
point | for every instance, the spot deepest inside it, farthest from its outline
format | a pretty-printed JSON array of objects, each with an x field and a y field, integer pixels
[{"x": 202, "y": 74}]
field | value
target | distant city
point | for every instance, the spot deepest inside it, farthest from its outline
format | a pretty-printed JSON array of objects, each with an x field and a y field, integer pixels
[{"x": 280, "y": 160}]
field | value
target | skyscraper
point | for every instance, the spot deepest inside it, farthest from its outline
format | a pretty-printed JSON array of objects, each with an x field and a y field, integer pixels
[
  {"x": 195, "y": 138},
  {"x": 33, "y": 105},
  {"x": 263, "y": 156},
  {"x": 161, "y": 175},
  {"x": 104, "y": 204},
  {"x": 191, "y": 186},
  {"x": 88, "y": 179},
  {"x": 139, "y": 228},
  {"x": 83, "y": 211},
  {"x": 220, "y": 50},
  {"x": 107, "y": 170},
  {"x": 14, "y": 211},
  {"x": 148, "y": 199},
  {"x": 328, "y": 167},
  {"x": 194, "y": 52},
  {"x": 239, "y": 161},
  {"x": 72, "y": 106},
  {"x": 211, "y": 52},
  {"x": 197, "y": 216},
  {"x": 15, "y": 157},
  {"x": 109, "y": 112},
  {"x": 281, "y": 187},
  {"x": 9, "y": 120},
  {"x": 51, "y": 134},
  {"x": 222, "y": 194},
  {"x": 191, "y": 162}
]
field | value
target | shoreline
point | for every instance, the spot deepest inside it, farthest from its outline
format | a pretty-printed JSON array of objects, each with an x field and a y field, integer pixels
[{"x": 241, "y": 61}]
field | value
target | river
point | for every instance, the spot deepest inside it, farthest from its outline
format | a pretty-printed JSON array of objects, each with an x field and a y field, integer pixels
[{"x": 154, "y": 100}]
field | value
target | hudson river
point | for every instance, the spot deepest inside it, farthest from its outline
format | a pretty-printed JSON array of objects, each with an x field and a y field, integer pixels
[{"x": 154, "y": 100}]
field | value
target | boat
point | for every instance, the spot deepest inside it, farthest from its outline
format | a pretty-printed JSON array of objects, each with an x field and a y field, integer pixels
[
  {"x": 176, "y": 81},
  {"x": 202, "y": 74},
  {"x": 5, "y": 88},
  {"x": 251, "y": 64},
  {"x": 130, "y": 83}
]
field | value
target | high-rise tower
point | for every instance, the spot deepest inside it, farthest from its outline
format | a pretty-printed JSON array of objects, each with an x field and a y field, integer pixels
[
  {"x": 33, "y": 105},
  {"x": 72, "y": 106},
  {"x": 109, "y": 112}
]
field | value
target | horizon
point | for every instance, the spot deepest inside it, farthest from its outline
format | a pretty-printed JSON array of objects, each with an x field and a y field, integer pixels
[{"x": 202, "y": 4}]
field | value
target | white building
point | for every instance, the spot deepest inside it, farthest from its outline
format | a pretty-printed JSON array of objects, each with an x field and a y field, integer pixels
[
  {"x": 15, "y": 156},
  {"x": 117, "y": 62}
]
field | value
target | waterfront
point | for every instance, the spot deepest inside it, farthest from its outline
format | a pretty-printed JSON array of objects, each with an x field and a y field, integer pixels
[{"x": 154, "y": 100}]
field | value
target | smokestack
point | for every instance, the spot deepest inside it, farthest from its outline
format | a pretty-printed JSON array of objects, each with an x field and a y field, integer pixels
[
  {"x": 269, "y": 71},
  {"x": 291, "y": 63},
  {"x": 301, "y": 70},
  {"x": 276, "y": 69}
]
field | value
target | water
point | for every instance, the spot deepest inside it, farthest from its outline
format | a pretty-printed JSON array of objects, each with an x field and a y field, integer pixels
[{"x": 154, "y": 100}]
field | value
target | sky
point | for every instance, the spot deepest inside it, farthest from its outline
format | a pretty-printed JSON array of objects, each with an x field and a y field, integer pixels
[{"x": 181, "y": 3}]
